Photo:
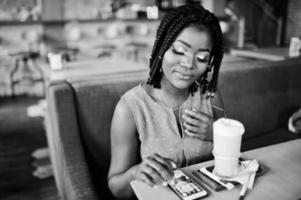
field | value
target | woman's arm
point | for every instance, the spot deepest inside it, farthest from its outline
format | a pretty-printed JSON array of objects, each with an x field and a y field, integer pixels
[
  {"x": 124, "y": 151},
  {"x": 126, "y": 163}
]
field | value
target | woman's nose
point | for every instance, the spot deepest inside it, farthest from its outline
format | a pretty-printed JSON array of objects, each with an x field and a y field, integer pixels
[{"x": 187, "y": 62}]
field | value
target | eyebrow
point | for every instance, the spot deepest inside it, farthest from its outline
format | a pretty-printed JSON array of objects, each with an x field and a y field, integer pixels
[{"x": 188, "y": 45}]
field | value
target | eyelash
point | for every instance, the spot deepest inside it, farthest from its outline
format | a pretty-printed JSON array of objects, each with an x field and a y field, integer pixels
[
  {"x": 177, "y": 52},
  {"x": 182, "y": 54}
]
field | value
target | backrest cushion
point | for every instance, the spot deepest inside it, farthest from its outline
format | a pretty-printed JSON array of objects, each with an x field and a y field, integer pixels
[
  {"x": 96, "y": 100},
  {"x": 262, "y": 95}
]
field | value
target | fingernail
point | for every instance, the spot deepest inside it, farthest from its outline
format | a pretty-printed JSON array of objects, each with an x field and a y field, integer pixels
[
  {"x": 173, "y": 165},
  {"x": 155, "y": 186},
  {"x": 164, "y": 183},
  {"x": 172, "y": 182},
  {"x": 186, "y": 110}
]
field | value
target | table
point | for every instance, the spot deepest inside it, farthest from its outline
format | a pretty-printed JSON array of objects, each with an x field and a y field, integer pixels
[{"x": 282, "y": 179}]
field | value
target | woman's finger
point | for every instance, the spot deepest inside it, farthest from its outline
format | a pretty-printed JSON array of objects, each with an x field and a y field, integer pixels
[
  {"x": 191, "y": 128},
  {"x": 198, "y": 132},
  {"x": 168, "y": 163},
  {"x": 162, "y": 166},
  {"x": 153, "y": 174},
  {"x": 192, "y": 121},
  {"x": 195, "y": 135},
  {"x": 195, "y": 125},
  {"x": 194, "y": 113},
  {"x": 146, "y": 179}
]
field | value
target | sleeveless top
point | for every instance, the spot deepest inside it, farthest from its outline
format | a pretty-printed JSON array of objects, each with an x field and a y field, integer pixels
[{"x": 158, "y": 130}]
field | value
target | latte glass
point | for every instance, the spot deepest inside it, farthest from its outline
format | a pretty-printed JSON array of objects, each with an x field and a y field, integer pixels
[{"x": 227, "y": 136}]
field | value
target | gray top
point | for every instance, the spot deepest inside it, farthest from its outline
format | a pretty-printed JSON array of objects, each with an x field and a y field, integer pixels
[{"x": 158, "y": 130}]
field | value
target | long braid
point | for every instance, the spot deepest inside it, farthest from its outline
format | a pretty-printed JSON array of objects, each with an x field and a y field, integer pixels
[
  {"x": 156, "y": 59},
  {"x": 216, "y": 54},
  {"x": 171, "y": 25}
]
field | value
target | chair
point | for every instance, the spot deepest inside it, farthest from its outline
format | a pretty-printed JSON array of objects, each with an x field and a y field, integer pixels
[
  {"x": 78, "y": 131},
  {"x": 25, "y": 63}
]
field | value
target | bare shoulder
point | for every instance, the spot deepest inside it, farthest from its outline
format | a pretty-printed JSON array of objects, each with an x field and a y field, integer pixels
[
  {"x": 123, "y": 120},
  {"x": 122, "y": 108}
]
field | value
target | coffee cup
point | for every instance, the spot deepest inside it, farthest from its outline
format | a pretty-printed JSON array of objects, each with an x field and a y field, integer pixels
[
  {"x": 227, "y": 136},
  {"x": 225, "y": 166}
]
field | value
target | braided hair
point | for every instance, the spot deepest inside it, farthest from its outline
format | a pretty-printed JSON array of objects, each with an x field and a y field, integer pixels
[{"x": 170, "y": 27}]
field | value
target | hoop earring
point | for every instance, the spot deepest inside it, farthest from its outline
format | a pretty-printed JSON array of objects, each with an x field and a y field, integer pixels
[
  {"x": 202, "y": 79},
  {"x": 197, "y": 83}
]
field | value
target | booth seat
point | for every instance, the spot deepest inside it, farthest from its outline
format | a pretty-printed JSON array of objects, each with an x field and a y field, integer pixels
[{"x": 261, "y": 94}]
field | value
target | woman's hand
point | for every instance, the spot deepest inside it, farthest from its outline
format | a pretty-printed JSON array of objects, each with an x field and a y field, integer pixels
[
  {"x": 154, "y": 170},
  {"x": 197, "y": 124}
]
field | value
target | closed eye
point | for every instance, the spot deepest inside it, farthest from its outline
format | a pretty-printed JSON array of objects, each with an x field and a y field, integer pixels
[
  {"x": 202, "y": 58},
  {"x": 178, "y": 51}
]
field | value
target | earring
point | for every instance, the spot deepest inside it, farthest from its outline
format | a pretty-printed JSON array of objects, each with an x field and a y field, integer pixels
[
  {"x": 160, "y": 70},
  {"x": 197, "y": 83}
]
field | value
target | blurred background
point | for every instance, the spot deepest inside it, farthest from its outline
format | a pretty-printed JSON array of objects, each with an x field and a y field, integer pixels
[
  {"x": 31, "y": 30},
  {"x": 43, "y": 41}
]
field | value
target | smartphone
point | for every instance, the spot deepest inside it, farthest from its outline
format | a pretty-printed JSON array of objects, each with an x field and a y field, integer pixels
[{"x": 186, "y": 188}]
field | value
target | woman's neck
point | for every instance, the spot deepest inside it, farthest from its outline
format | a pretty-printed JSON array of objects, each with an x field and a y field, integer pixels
[{"x": 171, "y": 96}]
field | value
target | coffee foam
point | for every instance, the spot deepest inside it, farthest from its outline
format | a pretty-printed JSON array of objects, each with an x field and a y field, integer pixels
[{"x": 228, "y": 127}]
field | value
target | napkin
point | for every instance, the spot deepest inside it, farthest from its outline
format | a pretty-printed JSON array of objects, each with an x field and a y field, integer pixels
[{"x": 246, "y": 173}]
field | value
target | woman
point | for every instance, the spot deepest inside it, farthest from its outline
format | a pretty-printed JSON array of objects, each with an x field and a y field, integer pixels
[{"x": 167, "y": 121}]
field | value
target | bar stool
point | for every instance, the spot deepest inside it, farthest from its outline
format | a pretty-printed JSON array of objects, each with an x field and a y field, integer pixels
[{"x": 21, "y": 62}]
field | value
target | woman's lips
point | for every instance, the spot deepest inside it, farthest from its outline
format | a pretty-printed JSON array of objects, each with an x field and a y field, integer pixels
[{"x": 184, "y": 76}]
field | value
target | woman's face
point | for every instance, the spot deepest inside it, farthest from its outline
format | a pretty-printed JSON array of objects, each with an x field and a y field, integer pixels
[{"x": 187, "y": 58}]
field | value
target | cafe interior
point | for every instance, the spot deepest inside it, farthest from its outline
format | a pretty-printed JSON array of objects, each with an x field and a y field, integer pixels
[{"x": 65, "y": 63}]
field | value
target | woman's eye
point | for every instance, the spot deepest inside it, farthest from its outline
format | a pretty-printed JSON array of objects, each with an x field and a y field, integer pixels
[
  {"x": 202, "y": 58},
  {"x": 179, "y": 51}
]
